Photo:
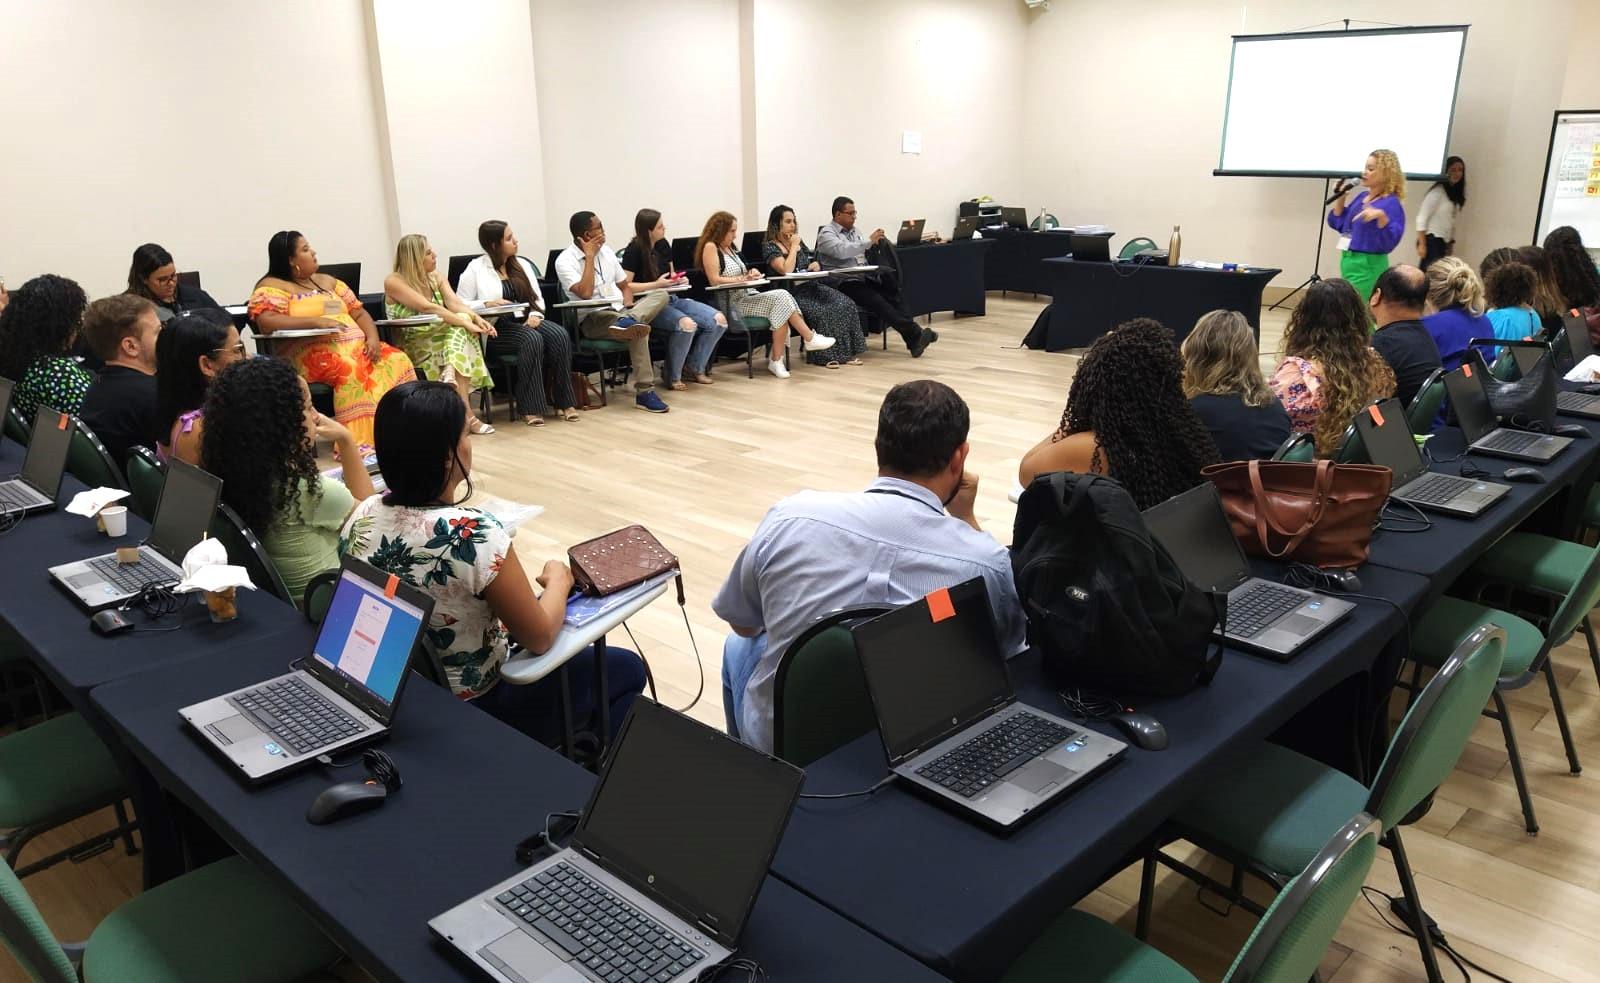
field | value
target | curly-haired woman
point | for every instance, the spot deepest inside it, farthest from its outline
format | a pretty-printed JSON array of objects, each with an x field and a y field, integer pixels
[
  {"x": 1575, "y": 275},
  {"x": 1329, "y": 368},
  {"x": 37, "y": 330},
  {"x": 1152, "y": 442},
  {"x": 260, "y": 439},
  {"x": 1372, "y": 223}
]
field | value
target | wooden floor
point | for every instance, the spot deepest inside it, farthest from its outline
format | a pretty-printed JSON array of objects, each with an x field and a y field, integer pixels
[{"x": 701, "y": 477}]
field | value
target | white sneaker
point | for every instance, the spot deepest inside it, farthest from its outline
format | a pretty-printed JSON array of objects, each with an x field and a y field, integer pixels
[
  {"x": 818, "y": 342},
  {"x": 776, "y": 367}
]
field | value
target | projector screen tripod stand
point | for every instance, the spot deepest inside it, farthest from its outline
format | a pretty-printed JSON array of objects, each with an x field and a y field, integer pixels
[{"x": 1316, "y": 264}]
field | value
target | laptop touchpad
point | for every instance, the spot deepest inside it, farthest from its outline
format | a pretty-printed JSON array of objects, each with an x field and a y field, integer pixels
[
  {"x": 525, "y": 959},
  {"x": 236, "y": 728},
  {"x": 1037, "y": 775},
  {"x": 1298, "y": 624}
]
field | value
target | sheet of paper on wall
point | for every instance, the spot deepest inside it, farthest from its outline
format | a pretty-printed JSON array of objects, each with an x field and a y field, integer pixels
[{"x": 911, "y": 142}]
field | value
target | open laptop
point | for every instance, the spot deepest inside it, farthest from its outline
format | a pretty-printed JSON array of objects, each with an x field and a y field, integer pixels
[
  {"x": 662, "y": 872},
  {"x": 1271, "y": 619},
  {"x": 910, "y": 232},
  {"x": 345, "y": 694},
  {"x": 949, "y": 720},
  {"x": 1470, "y": 402},
  {"x": 965, "y": 227},
  {"x": 1017, "y": 218},
  {"x": 183, "y": 514},
  {"x": 1571, "y": 346},
  {"x": 1387, "y": 438},
  {"x": 1570, "y": 403},
  {"x": 35, "y": 489},
  {"x": 1091, "y": 249}
]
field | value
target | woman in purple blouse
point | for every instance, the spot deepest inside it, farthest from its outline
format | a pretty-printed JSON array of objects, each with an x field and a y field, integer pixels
[{"x": 1372, "y": 223}]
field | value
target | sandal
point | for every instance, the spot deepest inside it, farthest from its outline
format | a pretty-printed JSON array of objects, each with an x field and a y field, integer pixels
[
  {"x": 831, "y": 365},
  {"x": 533, "y": 421},
  {"x": 679, "y": 386},
  {"x": 703, "y": 379},
  {"x": 570, "y": 414},
  {"x": 477, "y": 426},
  {"x": 855, "y": 361}
]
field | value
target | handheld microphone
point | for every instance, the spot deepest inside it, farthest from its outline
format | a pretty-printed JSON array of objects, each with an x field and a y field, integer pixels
[{"x": 1345, "y": 184}]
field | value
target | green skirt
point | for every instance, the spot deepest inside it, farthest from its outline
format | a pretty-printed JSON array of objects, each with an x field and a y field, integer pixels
[{"x": 1362, "y": 270}]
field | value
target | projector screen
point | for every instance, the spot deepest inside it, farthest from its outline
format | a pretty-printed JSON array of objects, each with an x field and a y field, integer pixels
[{"x": 1315, "y": 104}]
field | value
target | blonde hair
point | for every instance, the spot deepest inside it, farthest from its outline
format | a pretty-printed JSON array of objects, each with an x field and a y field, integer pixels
[
  {"x": 411, "y": 263},
  {"x": 1220, "y": 359},
  {"x": 1453, "y": 283},
  {"x": 1391, "y": 179}
]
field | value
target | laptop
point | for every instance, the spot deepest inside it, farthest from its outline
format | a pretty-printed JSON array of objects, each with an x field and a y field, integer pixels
[
  {"x": 1268, "y": 618},
  {"x": 965, "y": 227},
  {"x": 1090, "y": 249},
  {"x": 1470, "y": 401},
  {"x": 1387, "y": 437},
  {"x": 35, "y": 489},
  {"x": 183, "y": 514},
  {"x": 1017, "y": 218},
  {"x": 662, "y": 872},
  {"x": 950, "y": 722},
  {"x": 345, "y": 694},
  {"x": 1570, "y": 403},
  {"x": 910, "y": 232}
]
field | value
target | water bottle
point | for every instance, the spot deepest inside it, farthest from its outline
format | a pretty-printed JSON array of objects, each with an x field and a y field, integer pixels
[{"x": 1173, "y": 246}]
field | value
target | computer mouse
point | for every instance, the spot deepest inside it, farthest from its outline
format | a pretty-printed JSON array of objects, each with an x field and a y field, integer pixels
[
  {"x": 1142, "y": 729},
  {"x": 1576, "y": 430},
  {"x": 1522, "y": 474},
  {"x": 109, "y": 622},
  {"x": 345, "y": 799},
  {"x": 1342, "y": 580}
]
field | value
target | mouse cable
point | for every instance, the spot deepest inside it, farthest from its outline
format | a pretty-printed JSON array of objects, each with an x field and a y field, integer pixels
[
  {"x": 11, "y": 517},
  {"x": 526, "y": 850},
  {"x": 158, "y": 601},
  {"x": 753, "y": 973},
  {"x": 1393, "y": 511},
  {"x": 1089, "y": 705},
  {"x": 848, "y": 795},
  {"x": 1307, "y": 576},
  {"x": 379, "y": 765}
]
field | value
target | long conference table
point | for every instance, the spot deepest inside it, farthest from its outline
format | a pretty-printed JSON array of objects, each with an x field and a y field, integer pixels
[{"x": 887, "y": 886}]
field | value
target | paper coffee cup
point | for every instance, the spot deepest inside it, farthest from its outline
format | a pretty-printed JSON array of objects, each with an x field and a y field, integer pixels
[{"x": 115, "y": 519}]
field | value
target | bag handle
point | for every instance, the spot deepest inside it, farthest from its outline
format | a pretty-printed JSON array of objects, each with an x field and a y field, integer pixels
[{"x": 1264, "y": 517}]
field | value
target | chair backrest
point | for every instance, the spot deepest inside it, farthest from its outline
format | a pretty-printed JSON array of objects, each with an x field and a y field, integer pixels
[
  {"x": 89, "y": 461},
  {"x": 1435, "y": 730},
  {"x": 1136, "y": 245},
  {"x": 319, "y": 594},
  {"x": 350, "y": 273},
  {"x": 1580, "y": 600},
  {"x": 146, "y": 474},
  {"x": 190, "y": 278},
  {"x": 820, "y": 699},
  {"x": 683, "y": 253},
  {"x": 245, "y": 550},
  {"x": 27, "y": 936},
  {"x": 1424, "y": 408},
  {"x": 1352, "y": 450},
  {"x": 16, "y": 427},
  {"x": 1504, "y": 367},
  {"x": 1289, "y": 940},
  {"x": 1300, "y": 448},
  {"x": 750, "y": 247},
  {"x": 458, "y": 265}
]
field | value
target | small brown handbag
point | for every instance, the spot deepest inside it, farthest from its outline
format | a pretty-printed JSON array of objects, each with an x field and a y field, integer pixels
[
  {"x": 1320, "y": 513},
  {"x": 618, "y": 560}
]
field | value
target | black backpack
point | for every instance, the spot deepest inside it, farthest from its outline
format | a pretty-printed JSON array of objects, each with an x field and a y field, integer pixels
[{"x": 1107, "y": 607}]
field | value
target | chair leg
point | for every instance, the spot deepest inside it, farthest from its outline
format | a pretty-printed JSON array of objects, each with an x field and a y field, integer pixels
[
  {"x": 1147, "y": 894},
  {"x": 1529, "y": 820},
  {"x": 1561, "y": 718},
  {"x": 1594, "y": 650},
  {"x": 131, "y": 848},
  {"x": 1419, "y": 926}
]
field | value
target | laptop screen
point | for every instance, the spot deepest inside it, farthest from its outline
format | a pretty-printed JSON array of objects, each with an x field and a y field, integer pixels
[
  {"x": 1577, "y": 337},
  {"x": 6, "y": 385},
  {"x": 689, "y": 816},
  {"x": 1389, "y": 443},
  {"x": 188, "y": 501},
  {"x": 366, "y": 638},
  {"x": 932, "y": 666},
  {"x": 47, "y": 451},
  {"x": 1195, "y": 530},
  {"x": 1464, "y": 386},
  {"x": 1526, "y": 356}
]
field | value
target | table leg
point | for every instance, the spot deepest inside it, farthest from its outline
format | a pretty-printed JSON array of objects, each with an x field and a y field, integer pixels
[
  {"x": 566, "y": 715},
  {"x": 602, "y": 705}
]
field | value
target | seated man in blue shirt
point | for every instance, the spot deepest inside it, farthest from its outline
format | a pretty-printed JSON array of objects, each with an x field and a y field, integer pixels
[{"x": 911, "y": 532}]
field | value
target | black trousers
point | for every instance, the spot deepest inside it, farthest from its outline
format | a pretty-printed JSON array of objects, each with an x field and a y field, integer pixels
[
  {"x": 1437, "y": 249},
  {"x": 877, "y": 298}
]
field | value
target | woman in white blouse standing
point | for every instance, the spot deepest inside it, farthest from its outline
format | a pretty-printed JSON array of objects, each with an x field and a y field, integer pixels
[
  {"x": 1436, "y": 222},
  {"x": 500, "y": 277}
]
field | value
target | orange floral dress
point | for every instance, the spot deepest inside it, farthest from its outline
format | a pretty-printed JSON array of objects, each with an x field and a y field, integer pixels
[{"x": 338, "y": 361}]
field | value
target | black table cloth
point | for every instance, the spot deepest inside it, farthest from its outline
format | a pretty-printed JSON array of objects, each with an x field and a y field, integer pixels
[
  {"x": 1092, "y": 298},
  {"x": 1015, "y": 261},
  {"x": 946, "y": 276},
  {"x": 473, "y": 789},
  {"x": 965, "y": 901}
]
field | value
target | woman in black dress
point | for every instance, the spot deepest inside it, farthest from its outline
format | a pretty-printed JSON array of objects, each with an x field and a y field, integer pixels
[{"x": 826, "y": 309}]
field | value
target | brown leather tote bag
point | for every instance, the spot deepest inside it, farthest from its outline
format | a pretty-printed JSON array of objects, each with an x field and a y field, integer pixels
[{"x": 1320, "y": 513}]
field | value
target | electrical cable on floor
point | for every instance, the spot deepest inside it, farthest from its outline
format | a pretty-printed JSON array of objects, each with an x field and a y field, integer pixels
[{"x": 1439, "y": 941}]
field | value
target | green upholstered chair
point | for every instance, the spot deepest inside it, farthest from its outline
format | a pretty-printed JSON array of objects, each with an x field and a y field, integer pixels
[
  {"x": 16, "y": 428},
  {"x": 1352, "y": 449},
  {"x": 1504, "y": 367},
  {"x": 1300, "y": 448},
  {"x": 604, "y": 355},
  {"x": 221, "y": 922},
  {"x": 753, "y": 332},
  {"x": 1136, "y": 245},
  {"x": 1424, "y": 408},
  {"x": 1285, "y": 947},
  {"x": 1272, "y": 812},
  {"x": 147, "y": 473},
  {"x": 50, "y": 774},
  {"x": 89, "y": 461},
  {"x": 318, "y": 595},
  {"x": 245, "y": 550},
  {"x": 819, "y": 696}
]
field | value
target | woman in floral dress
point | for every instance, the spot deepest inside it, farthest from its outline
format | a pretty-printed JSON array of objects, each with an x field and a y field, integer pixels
[{"x": 448, "y": 348}]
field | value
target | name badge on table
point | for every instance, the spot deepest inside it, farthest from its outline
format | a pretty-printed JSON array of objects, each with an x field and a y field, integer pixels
[{"x": 1344, "y": 243}]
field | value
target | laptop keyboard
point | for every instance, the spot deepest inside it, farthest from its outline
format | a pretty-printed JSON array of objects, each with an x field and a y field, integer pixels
[
  {"x": 1437, "y": 489},
  {"x": 599, "y": 930},
  {"x": 131, "y": 578},
  {"x": 16, "y": 495},
  {"x": 1258, "y": 606},
  {"x": 294, "y": 713},
  {"x": 972, "y": 767},
  {"x": 1510, "y": 440},
  {"x": 1576, "y": 401}
]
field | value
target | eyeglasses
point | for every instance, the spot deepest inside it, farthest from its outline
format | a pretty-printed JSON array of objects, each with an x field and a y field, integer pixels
[
  {"x": 238, "y": 350},
  {"x": 166, "y": 281}
]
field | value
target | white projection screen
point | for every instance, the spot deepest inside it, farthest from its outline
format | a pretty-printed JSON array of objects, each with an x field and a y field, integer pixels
[{"x": 1304, "y": 105}]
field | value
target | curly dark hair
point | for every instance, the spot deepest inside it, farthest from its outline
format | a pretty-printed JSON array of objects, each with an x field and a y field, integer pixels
[
  {"x": 42, "y": 319},
  {"x": 1128, "y": 391},
  {"x": 1573, "y": 267},
  {"x": 1330, "y": 328},
  {"x": 255, "y": 441}
]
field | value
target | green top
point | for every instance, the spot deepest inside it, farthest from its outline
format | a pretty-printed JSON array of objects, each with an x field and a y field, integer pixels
[{"x": 306, "y": 542}]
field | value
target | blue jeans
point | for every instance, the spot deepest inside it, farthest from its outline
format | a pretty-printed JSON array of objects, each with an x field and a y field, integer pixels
[
  {"x": 740, "y": 656},
  {"x": 535, "y": 709},
  {"x": 684, "y": 347}
]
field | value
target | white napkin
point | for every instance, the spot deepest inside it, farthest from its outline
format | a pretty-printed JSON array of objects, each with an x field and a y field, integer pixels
[
  {"x": 1587, "y": 370},
  {"x": 206, "y": 568},
  {"x": 89, "y": 503}
]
